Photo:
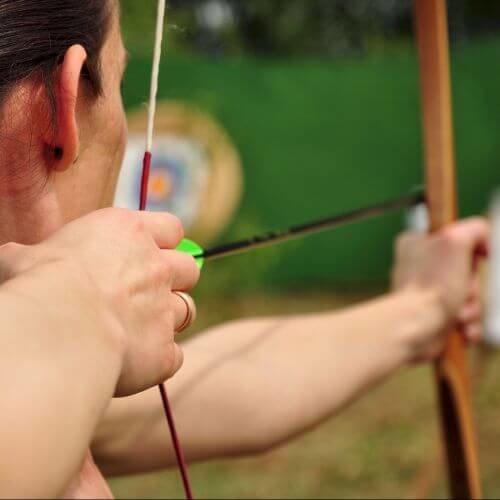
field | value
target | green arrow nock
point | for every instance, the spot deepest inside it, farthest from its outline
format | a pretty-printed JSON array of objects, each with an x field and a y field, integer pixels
[{"x": 191, "y": 248}]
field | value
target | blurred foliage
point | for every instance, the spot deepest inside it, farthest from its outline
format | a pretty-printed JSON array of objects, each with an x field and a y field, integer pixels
[{"x": 299, "y": 27}]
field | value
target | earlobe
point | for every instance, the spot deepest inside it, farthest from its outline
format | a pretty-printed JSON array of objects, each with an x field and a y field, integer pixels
[{"x": 63, "y": 141}]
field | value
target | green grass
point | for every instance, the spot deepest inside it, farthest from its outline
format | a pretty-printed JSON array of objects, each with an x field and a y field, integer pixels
[
  {"x": 384, "y": 446},
  {"x": 319, "y": 137}
]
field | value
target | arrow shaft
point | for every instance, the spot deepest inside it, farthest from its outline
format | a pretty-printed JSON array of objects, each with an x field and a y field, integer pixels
[{"x": 317, "y": 226}]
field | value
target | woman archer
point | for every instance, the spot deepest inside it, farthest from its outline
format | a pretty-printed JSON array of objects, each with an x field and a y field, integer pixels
[{"x": 257, "y": 383}]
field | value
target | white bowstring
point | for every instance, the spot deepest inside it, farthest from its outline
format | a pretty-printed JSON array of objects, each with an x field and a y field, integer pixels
[{"x": 155, "y": 74}]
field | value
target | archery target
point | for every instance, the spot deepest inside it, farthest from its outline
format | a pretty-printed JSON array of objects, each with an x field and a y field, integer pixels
[
  {"x": 196, "y": 171},
  {"x": 178, "y": 178}
]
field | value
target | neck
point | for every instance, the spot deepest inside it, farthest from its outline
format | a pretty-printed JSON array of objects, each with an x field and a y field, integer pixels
[{"x": 29, "y": 218}]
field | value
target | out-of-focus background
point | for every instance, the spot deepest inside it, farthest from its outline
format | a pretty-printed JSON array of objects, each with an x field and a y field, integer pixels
[{"x": 318, "y": 101}]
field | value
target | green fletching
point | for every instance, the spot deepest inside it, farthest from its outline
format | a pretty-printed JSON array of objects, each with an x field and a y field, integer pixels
[{"x": 192, "y": 248}]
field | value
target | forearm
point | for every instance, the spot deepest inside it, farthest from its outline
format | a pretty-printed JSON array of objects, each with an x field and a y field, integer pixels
[
  {"x": 250, "y": 385},
  {"x": 57, "y": 374}
]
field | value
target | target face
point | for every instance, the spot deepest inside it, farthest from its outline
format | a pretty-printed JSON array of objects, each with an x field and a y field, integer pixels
[{"x": 179, "y": 174}]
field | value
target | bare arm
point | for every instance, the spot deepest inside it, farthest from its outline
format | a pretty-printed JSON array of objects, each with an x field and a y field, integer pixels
[
  {"x": 55, "y": 380},
  {"x": 85, "y": 315},
  {"x": 250, "y": 385}
]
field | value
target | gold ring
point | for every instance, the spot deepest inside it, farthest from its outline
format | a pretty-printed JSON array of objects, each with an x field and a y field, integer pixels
[{"x": 189, "y": 311}]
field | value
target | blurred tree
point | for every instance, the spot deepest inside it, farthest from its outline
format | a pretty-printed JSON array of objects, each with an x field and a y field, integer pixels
[
  {"x": 297, "y": 27},
  {"x": 482, "y": 16},
  {"x": 288, "y": 27}
]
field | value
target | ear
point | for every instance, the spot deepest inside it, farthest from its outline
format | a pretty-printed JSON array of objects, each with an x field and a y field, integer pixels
[{"x": 62, "y": 142}]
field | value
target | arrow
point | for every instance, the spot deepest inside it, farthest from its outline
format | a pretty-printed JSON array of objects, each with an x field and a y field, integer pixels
[{"x": 299, "y": 231}]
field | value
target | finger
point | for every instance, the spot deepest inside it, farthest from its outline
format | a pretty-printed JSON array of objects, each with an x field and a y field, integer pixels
[
  {"x": 171, "y": 364},
  {"x": 474, "y": 332},
  {"x": 166, "y": 229},
  {"x": 473, "y": 232},
  {"x": 177, "y": 361},
  {"x": 475, "y": 288},
  {"x": 471, "y": 312},
  {"x": 185, "y": 271},
  {"x": 184, "y": 311},
  {"x": 474, "y": 291}
]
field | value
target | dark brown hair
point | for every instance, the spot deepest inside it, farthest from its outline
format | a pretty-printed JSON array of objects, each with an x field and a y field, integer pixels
[{"x": 35, "y": 35}]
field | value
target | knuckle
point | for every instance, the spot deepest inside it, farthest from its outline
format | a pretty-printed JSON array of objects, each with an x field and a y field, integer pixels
[
  {"x": 112, "y": 213},
  {"x": 450, "y": 237},
  {"x": 160, "y": 270},
  {"x": 120, "y": 217},
  {"x": 133, "y": 223},
  {"x": 126, "y": 217}
]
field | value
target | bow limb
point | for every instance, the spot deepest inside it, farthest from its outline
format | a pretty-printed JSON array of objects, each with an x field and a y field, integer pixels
[{"x": 452, "y": 377}]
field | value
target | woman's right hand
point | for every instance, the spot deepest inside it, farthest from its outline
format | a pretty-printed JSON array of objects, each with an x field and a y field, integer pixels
[{"x": 125, "y": 261}]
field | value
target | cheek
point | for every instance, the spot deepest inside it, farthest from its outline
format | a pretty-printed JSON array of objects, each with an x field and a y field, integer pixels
[
  {"x": 123, "y": 135},
  {"x": 120, "y": 142},
  {"x": 115, "y": 131},
  {"x": 117, "y": 121},
  {"x": 108, "y": 151},
  {"x": 120, "y": 152},
  {"x": 123, "y": 124}
]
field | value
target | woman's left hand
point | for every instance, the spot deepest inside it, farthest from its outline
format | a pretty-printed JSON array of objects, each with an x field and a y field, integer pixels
[{"x": 444, "y": 264}]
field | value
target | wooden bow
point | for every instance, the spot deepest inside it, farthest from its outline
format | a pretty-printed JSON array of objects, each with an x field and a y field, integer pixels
[{"x": 452, "y": 377}]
